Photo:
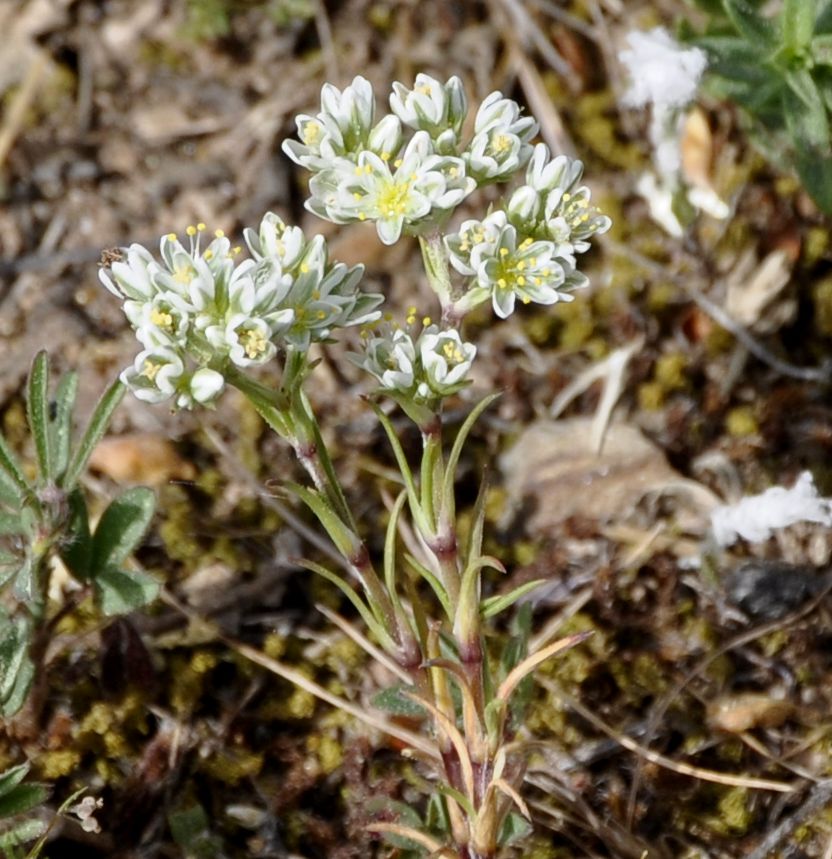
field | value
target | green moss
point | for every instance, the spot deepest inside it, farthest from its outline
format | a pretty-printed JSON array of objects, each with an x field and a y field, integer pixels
[
  {"x": 741, "y": 422},
  {"x": 650, "y": 396},
  {"x": 735, "y": 815},
  {"x": 56, "y": 764},
  {"x": 231, "y": 766},
  {"x": 822, "y": 301},
  {"x": 669, "y": 371}
]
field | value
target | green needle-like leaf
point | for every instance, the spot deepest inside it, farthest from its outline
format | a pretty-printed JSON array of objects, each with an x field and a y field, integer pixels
[
  {"x": 753, "y": 26},
  {"x": 798, "y": 22}
]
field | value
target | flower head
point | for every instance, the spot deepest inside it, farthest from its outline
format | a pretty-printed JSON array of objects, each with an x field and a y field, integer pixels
[
  {"x": 418, "y": 371},
  {"x": 196, "y": 311},
  {"x": 431, "y": 106}
]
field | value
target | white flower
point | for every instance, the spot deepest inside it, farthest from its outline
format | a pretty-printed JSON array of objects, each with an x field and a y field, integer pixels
[
  {"x": 431, "y": 106},
  {"x": 445, "y": 360},
  {"x": 156, "y": 374},
  {"x": 662, "y": 72},
  {"x": 756, "y": 517},
  {"x": 416, "y": 192},
  {"x": 417, "y": 371},
  {"x": 193, "y": 308},
  {"x": 390, "y": 359},
  {"x": 343, "y": 128},
  {"x": 500, "y": 143}
]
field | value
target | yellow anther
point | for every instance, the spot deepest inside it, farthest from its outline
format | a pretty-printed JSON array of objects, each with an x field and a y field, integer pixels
[
  {"x": 397, "y": 163},
  {"x": 426, "y": 321},
  {"x": 304, "y": 268},
  {"x": 161, "y": 318},
  {"x": 236, "y": 250},
  {"x": 321, "y": 314},
  {"x": 200, "y": 226},
  {"x": 150, "y": 369},
  {"x": 209, "y": 254},
  {"x": 356, "y": 195},
  {"x": 521, "y": 265},
  {"x": 411, "y": 310},
  {"x": 219, "y": 234},
  {"x": 526, "y": 299},
  {"x": 361, "y": 216},
  {"x": 171, "y": 237},
  {"x": 386, "y": 156},
  {"x": 190, "y": 230},
  {"x": 357, "y": 170},
  {"x": 502, "y": 283},
  {"x": 567, "y": 197},
  {"x": 521, "y": 281},
  {"x": 503, "y": 252}
]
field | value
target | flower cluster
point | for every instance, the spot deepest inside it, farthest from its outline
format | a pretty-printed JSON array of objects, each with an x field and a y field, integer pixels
[
  {"x": 370, "y": 171},
  {"x": 418, "y": 369},
  {"x": 528, "y": 251},
  {"x": 196, "y": 310}
]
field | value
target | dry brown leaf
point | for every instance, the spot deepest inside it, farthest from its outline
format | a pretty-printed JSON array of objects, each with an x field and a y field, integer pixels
[
  {"x": 553, "y": 465},
  {"x": 738, "y": 713},
  {"x": 140, "y": 458},
  {"x": 753, "y": 296},
  {"x": 696, "y": 149}
]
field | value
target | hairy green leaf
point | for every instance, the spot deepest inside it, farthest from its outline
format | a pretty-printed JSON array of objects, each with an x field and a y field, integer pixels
[
  {"x": 392, "y": 701},
  {"x": 122, "y": 591},
  {"x": 22, "y": 798},
  {"x": 37, "y": 409},
  {"x": 122, "y": 527},
  {"x": 61, "y": 424},
  {"x": 77, "y": 545}
]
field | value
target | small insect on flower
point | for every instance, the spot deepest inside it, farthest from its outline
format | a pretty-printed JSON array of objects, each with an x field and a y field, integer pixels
[{"x": 109, "y": 256}]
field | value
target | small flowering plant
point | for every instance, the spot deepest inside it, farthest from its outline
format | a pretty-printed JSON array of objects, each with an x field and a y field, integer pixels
[{"x": 208, "y": 318}]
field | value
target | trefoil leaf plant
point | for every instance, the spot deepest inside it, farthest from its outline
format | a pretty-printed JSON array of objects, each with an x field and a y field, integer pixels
[
  {"x": 43, "y": 519},
  {"x": 207, "y": 318}
]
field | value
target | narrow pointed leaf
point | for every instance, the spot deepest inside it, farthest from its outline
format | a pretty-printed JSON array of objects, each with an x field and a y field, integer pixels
[
  {"x": 492, "y": 606},
  {"x": 433, "y": 581},
  {"x": 37, "y": 410},
  {"x": 390, "y": 551},
  {"x": 372, "y": 622},
  {"x": 753, "y": 26},
  {"x": 456, "y": 451},
  {"x": 122, "y": 527},
  {"x": 97, "y": 426},
  {"x": 798, "y": 22}
]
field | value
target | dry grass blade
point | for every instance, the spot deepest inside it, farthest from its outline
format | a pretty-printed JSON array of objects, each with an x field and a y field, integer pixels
[
  {"x": 365, "y": 644},
  {"x": 528, "y": 665},
  {"x": 661, "y": 760},
  {"x": 412, "y": 834},
  {"x": 504, "y": 787},
  {"x": 456, "y": 738},
  {"x": 410, "y": 738}
]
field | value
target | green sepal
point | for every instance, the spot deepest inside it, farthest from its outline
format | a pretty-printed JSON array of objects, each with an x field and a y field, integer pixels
[
  {"x": 97, "y": 426},
  {"x": 493, "y": 606},
  {"x": 37, "y": 411},
  {"x": 120, "y": 591},
  {"x": 121, "y": 528}
]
